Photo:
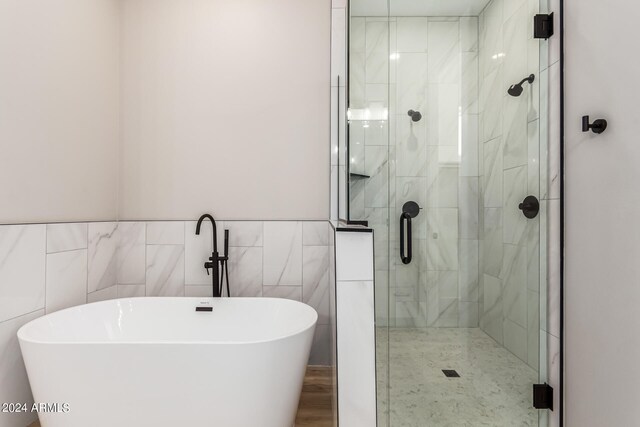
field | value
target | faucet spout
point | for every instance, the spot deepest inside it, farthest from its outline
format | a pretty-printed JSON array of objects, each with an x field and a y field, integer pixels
[
  {"x": 214, "y": 260},
  {"x": 215, "y": 232}
]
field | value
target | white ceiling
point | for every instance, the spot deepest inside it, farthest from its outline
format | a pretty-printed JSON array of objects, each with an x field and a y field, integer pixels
[{"x": 417, "y": 7}]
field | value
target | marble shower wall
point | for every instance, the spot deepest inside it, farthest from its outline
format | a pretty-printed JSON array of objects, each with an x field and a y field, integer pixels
[
  {"x": 430, "y": 65},
  {"x": 48, "y": 267},
  {"x": 510, "y": 165}
]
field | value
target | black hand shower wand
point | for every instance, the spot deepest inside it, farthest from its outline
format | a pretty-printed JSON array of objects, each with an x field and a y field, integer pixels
[{"x": 225, "y": 267}]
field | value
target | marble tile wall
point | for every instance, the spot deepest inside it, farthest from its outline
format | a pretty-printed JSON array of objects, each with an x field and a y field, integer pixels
[
  {"x": 511, "y": 161},
  {"x": 429, "y": 65},
  {"x": 48, "y": 267}
]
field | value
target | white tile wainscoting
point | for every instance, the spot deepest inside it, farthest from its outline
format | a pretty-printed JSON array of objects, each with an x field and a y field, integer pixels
[{"x": 48, "y": 267}]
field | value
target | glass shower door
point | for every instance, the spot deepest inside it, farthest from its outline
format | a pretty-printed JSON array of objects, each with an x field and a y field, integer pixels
[{"x": 444, "y": 133}]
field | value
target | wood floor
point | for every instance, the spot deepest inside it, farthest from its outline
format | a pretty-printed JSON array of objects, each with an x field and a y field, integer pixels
[
  {"x": 316, "y": 399},
  {"x": 315, "y": 402}
]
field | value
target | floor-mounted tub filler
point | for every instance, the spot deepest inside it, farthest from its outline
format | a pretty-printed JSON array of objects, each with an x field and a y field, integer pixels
[{"x": 170, "y": 362}]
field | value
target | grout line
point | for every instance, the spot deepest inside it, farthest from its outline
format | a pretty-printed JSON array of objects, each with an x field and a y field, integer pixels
[
  {"x": 67, "y": 250},
  {"x": 22, "y": 315}
]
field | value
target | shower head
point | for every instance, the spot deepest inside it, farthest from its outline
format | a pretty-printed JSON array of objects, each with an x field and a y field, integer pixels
[
  {"x": 516, "y": 90},
  {"x": 415, "y": 115}
]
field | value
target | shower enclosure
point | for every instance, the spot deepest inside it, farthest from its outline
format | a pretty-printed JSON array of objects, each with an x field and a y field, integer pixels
[{"x": 446, "y": 162}]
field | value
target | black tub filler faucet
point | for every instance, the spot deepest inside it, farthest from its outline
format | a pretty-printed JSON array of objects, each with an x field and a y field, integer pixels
[{"x": 215, "y": 260}]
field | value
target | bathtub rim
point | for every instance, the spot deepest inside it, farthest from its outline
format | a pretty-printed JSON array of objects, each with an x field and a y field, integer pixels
[{"x": 22, "y": 332}]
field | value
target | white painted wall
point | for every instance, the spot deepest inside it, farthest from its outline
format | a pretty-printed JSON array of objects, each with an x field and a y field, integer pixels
[
  {"x": 225, "y": 108},
  {"x": 603, "y": 211},
  {"x": 58, "y": 110}
]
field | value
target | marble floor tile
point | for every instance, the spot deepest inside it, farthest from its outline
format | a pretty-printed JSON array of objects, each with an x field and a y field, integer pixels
[{"x": 494, "y": 388}]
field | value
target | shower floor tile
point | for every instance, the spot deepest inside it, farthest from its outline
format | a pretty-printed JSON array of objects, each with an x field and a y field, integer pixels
[{"x": 494, "y": 387}]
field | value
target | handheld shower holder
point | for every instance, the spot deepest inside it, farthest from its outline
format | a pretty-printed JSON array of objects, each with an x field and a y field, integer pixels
[{"x": 598, "y": 126}]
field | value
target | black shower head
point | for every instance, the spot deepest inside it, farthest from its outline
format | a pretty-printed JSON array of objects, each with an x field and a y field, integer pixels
[
  {"x": 516, "y": 90},
  {"x": 415, "y": 115}
]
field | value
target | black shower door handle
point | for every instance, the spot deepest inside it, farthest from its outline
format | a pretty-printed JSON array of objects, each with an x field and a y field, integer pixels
[{"x": 405, "y": 217}]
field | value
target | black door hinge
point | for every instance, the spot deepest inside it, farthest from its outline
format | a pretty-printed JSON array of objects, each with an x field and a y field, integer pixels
[
  {"x": 543, "y": 396},
  {"x": 543, "y": 26}
]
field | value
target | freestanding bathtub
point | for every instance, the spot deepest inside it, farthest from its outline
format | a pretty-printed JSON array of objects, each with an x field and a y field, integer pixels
[{"x": 159, "y": 362}]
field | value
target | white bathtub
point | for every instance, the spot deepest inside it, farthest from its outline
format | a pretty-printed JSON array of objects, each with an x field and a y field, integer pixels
[{"x": 157, "y": 362}]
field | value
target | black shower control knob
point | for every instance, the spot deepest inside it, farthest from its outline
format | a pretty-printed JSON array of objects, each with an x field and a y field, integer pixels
[
  {"x": 412, "y": 208},
  {"x": 530, "y": 207}
]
